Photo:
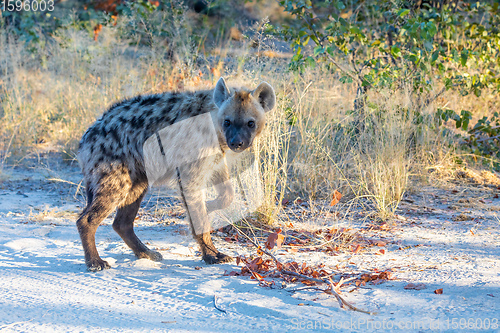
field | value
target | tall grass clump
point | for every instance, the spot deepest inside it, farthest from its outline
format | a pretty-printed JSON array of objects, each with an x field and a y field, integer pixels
[
  {"x": 373, "y": 164},
  {"x": 318, "y": 113},
  {"x": 272, "y": 150},
  {"x": 385, "y": 151}
]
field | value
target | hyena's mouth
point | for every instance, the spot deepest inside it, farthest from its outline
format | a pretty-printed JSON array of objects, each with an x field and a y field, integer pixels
[{"x": 238, "y": 150}]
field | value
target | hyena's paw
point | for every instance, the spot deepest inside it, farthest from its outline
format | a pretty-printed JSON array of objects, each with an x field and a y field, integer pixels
[
  {"x": 219, "y": 258},
  {"x": 151, "y": 255},
  {"x": 97, "y": 264}
]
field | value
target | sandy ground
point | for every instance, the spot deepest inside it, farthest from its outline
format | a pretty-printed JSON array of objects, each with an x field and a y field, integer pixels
[{"x": 445, "y": 239}]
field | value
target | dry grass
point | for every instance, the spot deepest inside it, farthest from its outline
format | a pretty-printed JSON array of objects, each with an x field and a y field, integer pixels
[
  {"x": 384, "y": 154},
  {"x": 51, "y": 98},
  {"x": 372, "y": 166},
  {"x": 309, "y": 148},
  {"x": 272, "y": 149},
  {"x": 50, "y": 214}
]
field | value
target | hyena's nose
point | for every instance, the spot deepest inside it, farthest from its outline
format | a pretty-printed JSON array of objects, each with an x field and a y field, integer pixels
[{"x": 236, "y": 143}]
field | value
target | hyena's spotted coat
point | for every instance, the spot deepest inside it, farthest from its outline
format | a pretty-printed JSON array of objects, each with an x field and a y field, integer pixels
[{"x": 111, "y": 155}]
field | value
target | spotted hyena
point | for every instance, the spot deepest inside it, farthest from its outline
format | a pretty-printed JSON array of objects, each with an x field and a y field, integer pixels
[{"x": 182, "y": 137}]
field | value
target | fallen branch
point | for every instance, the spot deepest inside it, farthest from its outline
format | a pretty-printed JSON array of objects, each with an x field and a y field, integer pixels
[{"x": 331, "y": 290}]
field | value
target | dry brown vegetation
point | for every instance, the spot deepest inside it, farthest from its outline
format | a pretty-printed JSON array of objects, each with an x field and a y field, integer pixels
[{"x": 50, "y": 97}]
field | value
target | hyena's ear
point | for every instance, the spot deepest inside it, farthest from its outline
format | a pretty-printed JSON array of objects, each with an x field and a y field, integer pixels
[
  {"x": 265, "y": 95},
  {"x": 221, "y": 92}
]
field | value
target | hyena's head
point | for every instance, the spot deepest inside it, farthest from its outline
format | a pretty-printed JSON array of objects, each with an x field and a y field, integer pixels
[{"x": 242, "y": 113}]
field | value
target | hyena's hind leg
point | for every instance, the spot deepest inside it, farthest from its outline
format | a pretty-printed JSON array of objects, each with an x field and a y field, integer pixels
[
  {"x": 103, "y": 199},
  {"x": 90, "y": 195},
  {"x": 124, "y": 224}
]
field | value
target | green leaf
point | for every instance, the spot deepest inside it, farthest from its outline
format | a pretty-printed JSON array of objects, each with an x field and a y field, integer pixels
[
  {"x": 465, "y": 124},
  {"x": 311, "y": 62},
  {"x": 472, "y": 29},
  {"x": 355, "y": 30},
  {"x": 318, "y": 50},
  {"x": 346, "y": 79},
  {"x": 454, "y": 54},
  {"x": 463, "y": 57},
  {"x": 366, "y": 81},
  {"x": 465, "y": 116},
  {"x": 477, "y": 92},
  {"x": 395, "y": 51},
  {"x": 313, "y": 37},
  {"x": 431, "y": 28},
  {"x": 414, "y": 58},
  {"x": 428, "y": 45},
  {"x": 403, "y": 12},
  {"x": 340, "y": 5},
  {"x": 435, "y": 56},
  {"x": 454, "y": 116}
]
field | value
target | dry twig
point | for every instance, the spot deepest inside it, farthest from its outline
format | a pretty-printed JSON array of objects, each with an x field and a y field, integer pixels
[
  {"x": 216, "y": 306},
  {"x": 330, "y": 290}
]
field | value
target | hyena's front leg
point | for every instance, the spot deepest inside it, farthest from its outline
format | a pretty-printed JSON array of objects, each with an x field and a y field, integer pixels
[
  {"x": 196, "y": 211},
  {"x": 224, "y": 189}
]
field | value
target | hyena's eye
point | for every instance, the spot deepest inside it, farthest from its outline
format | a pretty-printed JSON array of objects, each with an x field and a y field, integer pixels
[
  {"x": 227, "y": 123},
  {"x": 251, "y": 124}
]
